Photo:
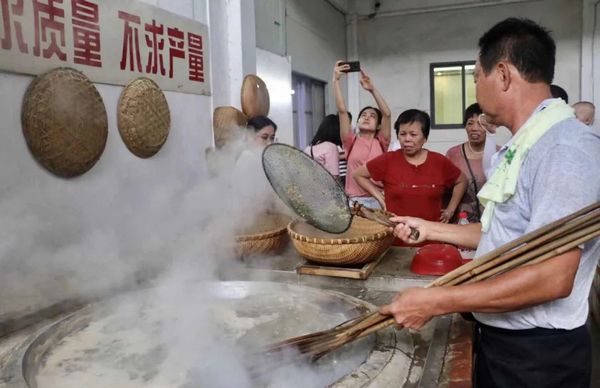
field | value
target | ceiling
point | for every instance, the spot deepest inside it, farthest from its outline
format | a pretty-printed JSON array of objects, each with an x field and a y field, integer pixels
[{"x": 385, "y": 8}]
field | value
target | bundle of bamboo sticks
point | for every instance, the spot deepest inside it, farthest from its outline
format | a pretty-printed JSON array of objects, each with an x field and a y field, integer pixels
[{"x": 542, "y": 244}]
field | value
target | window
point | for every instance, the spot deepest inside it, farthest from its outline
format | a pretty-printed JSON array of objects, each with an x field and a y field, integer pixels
[
  {"x": 452, "y": 91},
  {"x": 308, "y": 103}
]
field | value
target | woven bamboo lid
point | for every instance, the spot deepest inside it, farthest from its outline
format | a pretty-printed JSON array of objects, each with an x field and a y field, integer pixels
[
  {"x": 143, "y": 117},
  {"x": 255, "y": 96},
  {"x": 64, "y": 122},
  {"x": 227, "y": 122}
]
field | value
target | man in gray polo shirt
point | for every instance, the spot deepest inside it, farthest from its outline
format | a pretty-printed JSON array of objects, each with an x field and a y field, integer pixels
[{"x": 531, "y": 321}]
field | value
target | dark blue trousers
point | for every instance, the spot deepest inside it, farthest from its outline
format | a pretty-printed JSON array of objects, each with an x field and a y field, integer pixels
[{"x": 533, "y": 358}]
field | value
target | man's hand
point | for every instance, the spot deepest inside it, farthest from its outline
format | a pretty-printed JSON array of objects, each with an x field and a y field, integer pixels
[
  {"x": 403, "y": 231},
  {"x": 413, "y": 307}
]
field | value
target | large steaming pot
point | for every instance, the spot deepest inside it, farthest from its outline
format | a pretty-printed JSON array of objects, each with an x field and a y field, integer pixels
[{"x": 117, "y": 339}]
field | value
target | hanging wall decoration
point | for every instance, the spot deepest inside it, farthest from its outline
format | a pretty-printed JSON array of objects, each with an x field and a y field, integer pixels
[
  {"x": 254, "y": 96},
  {"x": 228, "y": 123},
  {"x": 64, "y": 122},
  {"x": 143, "y": 117}
]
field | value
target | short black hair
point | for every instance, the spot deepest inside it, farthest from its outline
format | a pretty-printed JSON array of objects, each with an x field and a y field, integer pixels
[
  {"x": 259, "y": 122},
  {"x": 473, "y": 109},
  {"x": 558, "y": 92},
  {"x": 522, "y": 42},
  {"x": 329, "y": 130},
  {"x": 410, "y": 116},
  {"x": 379, "y": 114}
]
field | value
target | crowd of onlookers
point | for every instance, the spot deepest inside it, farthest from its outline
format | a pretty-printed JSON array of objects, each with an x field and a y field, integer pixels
[{"x": 401, "y": 175}]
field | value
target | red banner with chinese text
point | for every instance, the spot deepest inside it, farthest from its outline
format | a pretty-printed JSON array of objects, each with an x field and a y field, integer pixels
[{"x": 110, "y": 41}]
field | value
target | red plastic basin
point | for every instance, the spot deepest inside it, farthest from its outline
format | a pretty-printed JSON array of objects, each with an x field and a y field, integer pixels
[{"x": 436, "y": 259}]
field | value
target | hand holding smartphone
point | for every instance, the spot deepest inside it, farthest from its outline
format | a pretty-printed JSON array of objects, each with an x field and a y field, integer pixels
[{"x": 354, "y": 66}]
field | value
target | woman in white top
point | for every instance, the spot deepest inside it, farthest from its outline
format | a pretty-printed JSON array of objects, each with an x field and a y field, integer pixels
[
  {"x": 324, "y": 146},
  {"x": 247, "y": 175}
]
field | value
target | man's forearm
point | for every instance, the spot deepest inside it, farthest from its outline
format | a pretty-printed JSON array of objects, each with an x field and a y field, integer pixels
[
  {"x": 463, "y": 235},
  {"x": 520, "y": 288}
]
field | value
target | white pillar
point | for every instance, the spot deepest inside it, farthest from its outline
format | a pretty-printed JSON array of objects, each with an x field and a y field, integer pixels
[
  {"x": 233, "y": 48},
  {"x": 590, "y": 50},
  {"x": 352, "y": 55}
]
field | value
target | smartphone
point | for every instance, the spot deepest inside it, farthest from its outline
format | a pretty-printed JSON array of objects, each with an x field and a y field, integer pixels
[{"x": 354, "y": 66}]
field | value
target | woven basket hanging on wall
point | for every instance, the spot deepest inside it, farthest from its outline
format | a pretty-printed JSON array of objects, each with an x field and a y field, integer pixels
[
  {"x": 255, "y": 96},
  {"x": 64, "y": 122},
  {"x": 143, "y": 117},
  {"x": 227, "y": 122}
]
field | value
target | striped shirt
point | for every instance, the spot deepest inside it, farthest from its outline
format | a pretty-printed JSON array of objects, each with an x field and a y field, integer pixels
[{"x": 343, "y": 167}]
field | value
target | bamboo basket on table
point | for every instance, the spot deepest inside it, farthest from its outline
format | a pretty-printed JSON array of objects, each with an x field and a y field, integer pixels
[
  {"x": 363, "y": 242},
  {"x": 267, "y": 236}
]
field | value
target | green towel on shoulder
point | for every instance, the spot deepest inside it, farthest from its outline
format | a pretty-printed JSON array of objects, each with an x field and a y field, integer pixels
[{"x": 503, "y": 183}]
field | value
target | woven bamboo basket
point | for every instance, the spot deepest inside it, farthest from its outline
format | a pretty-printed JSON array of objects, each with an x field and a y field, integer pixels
[
  {"x": 266, "y": 237},
  {"x": 143, "y": 117},
  {"x": 255, "y": 96},
  {"x": 64, "y": 122},
  {"x": 364, "y": 242},
  {"x": 227, "y": 122}
]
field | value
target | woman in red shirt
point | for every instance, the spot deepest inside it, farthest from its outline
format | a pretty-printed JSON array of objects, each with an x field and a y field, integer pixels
[{"x": 414, "y": 178}]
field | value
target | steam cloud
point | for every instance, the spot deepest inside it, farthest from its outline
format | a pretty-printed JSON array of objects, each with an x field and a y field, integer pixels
[{"x": 87, "y": 238}]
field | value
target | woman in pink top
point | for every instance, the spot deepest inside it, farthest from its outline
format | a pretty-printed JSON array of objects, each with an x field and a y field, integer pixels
[
  {"x": 324, "y": 146},
  {"x": 373, "y": 138}
]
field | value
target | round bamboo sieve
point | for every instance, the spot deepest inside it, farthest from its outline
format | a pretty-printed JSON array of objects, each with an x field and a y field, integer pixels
[
  {"x": 255, "y": 96},
  {"x": 64, "y": 122},
  {"x": 266, "y": 236},
  {"x": 143, "y": 117},
  {"x": 363, "y": 242},
  {"x": 227, "y": 122}
]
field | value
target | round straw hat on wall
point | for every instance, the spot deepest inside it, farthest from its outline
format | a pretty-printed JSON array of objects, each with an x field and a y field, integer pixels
[
  {"x": 64, "y": 122},
  {"x": 255, "y": 96},
  {"x": 143, "y": 117},
  {"x": 227, "y": 122}
]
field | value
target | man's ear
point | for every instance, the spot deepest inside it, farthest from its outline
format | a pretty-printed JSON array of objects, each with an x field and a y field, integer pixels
[{"x": 504, "y": 72}]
